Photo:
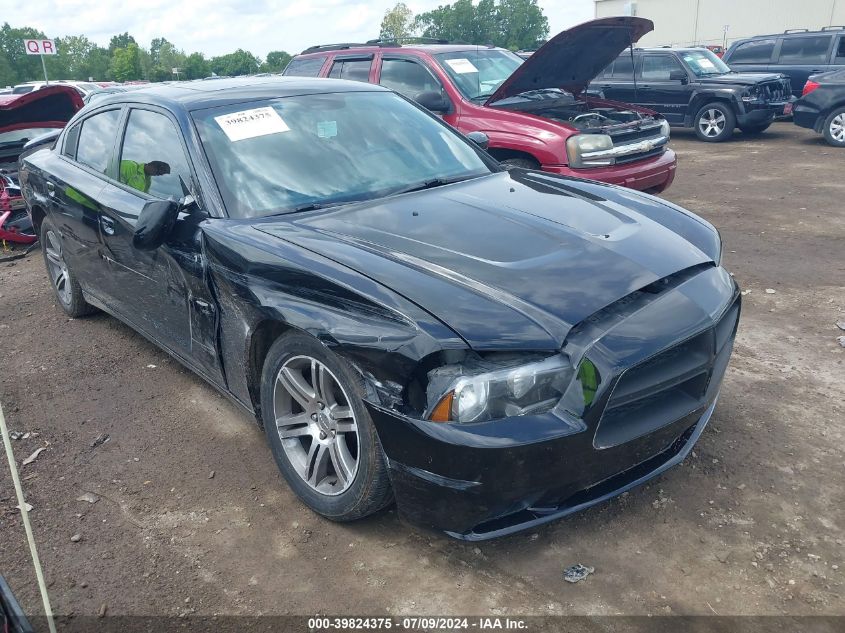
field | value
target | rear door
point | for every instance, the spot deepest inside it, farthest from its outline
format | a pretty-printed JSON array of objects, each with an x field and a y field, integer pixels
[
  {"x": 617, "y": 82},
  {"x": 658, "y": 90},
  {"x": 800, "y": 56},
  {"x": 75, "y": 182}
]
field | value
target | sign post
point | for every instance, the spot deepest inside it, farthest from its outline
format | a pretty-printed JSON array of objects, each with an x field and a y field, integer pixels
[{"x": 41, "y": 47}]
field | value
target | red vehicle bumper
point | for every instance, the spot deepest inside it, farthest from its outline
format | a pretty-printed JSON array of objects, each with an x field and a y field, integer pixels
[{"x": 653, "y": 175}]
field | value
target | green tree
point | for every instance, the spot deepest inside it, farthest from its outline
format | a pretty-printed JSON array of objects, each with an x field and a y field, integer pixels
[
  {"x": 511, "y": 24},
  {"x": 196, "y": 66},
  {"x": 397, "y": 23},
  {"x": 126, "y": 64},
  {"x": 275, "y": 62},
  {"x": 24, "y": 67},
  {"x": 240, "y": 62},
  {"x": 120, "y": 41}
]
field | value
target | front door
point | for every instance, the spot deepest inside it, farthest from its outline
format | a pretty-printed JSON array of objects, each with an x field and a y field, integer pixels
[
  {"x": 162, "y": 291},
  {"x": 663, "y": 86}
]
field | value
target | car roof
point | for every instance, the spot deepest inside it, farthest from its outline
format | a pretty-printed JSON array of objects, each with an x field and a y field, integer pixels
[
  {"x": 201, "y": 93},
  {"x": 366, "y": 49},
  {"x": 827, "y": 30}
]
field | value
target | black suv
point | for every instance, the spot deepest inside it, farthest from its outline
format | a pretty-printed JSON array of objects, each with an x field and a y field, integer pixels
[
  {"x": 795, "y": 53},
  {"x": 692, "y": 87}
]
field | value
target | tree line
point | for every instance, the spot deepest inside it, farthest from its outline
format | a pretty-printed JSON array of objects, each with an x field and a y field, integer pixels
[
  {"x": 122, "y": 60},
  {"x": 513, "y": 24}
]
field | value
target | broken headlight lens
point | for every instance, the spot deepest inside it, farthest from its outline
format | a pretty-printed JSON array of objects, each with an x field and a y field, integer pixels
[
  {"x": 579, "y": 148},
  {"x": 482, "y": 389}
]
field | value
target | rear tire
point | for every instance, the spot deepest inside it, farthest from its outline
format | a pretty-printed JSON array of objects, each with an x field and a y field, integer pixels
[
  {"x": 519, "y": 163},
  {"x": 330, "y": 454},
  {"x": 752, "y": 130},
  {"x": 67, "y": 289},
  {"x": 834, "y": 128},
  {"x": 715, "y": 122}
]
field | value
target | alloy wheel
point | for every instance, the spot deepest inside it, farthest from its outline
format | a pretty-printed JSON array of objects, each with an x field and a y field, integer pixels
[
  {"x": 837, "y": 128},
  {"x": 316, "y": 425},
  {"x": 712, "y": 123},
  {"x": 57, "y": 267}
]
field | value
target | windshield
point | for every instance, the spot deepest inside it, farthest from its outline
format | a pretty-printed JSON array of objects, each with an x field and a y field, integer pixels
[
  {"x": 22, "y": 136},
  {"x": 477, "y": 73},
  {"x": 705, "y": 62},
  {"x": 284, "y": 155}
]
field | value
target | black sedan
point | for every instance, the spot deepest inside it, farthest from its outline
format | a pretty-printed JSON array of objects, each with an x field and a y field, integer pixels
[
  {"x": 822, "y": 106},
  {"x": 405, "y": 319}
]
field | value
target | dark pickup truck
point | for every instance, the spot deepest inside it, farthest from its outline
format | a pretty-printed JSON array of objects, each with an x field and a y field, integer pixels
[{"x": 693, "y": 88}]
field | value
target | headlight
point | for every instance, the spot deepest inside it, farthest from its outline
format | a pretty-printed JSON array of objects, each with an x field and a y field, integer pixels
[
  {"x": 490, "y": 388},
  {"x": 751, "y": 94},
  {"x": 580, "y": 144},
  {"x": 665, "y": 128}
]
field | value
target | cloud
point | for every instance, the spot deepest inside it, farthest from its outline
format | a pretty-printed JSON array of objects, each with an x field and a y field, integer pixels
[{"x": 215, "y": 27}]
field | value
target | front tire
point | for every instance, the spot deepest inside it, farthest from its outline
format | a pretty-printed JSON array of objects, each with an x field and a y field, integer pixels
[
  {"x": 715, "y": 122},
  {"x": 67, "y": 289},
  {"x": 834, "y": 128},
  {"x": 320, "y": 432}
]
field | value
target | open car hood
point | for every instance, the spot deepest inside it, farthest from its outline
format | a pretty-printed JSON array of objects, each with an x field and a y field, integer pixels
[
  {"x": 573, "y": 58},
  {"x": 51, "y": 106}
]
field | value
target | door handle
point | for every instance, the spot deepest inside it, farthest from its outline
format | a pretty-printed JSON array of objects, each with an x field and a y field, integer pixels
[
  {"x": 51, "y": 189},
  {"x": 107, "y": 225}
]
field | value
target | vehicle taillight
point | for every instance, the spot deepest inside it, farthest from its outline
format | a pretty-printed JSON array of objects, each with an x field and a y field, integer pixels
[{"x": 809, "y": 87}]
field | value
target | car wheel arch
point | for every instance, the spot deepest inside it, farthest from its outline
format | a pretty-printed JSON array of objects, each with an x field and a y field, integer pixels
[
  {"x": 38, "y": 214},
  {"x": 701, "y": 99},
  {"x": 504, "y": 153}
]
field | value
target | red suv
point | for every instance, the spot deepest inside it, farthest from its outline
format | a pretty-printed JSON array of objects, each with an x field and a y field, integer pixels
[{"x": 534, "y": 111}]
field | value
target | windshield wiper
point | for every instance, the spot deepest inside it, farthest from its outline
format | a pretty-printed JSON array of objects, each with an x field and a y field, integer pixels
[{"x": 428, "y": 184}]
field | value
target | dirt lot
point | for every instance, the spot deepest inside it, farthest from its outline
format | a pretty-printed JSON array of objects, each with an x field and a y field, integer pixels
[{"x": 751, "y": 523}]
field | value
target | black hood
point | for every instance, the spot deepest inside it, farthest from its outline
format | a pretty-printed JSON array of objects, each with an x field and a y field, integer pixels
[
  {"x": 573, "y": 58},
  {"x": 544, "y": 252},
  {"x": 742, "y": 79}
]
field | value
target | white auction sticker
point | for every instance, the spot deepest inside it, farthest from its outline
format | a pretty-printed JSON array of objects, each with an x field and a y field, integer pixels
[
  {"x": 462, "y": 65},
  {"x": 251, "y": 123}
]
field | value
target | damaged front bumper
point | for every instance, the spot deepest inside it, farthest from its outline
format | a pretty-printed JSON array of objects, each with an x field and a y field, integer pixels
[{"x": 657, "y": 390}]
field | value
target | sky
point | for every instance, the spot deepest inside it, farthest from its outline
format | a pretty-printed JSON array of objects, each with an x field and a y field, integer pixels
[{"x": 215, "y": 27}]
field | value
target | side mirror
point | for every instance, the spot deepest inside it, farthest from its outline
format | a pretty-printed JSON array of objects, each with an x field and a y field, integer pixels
[
  {"x": 433, "y": 101},
  {"x": 480, "y": 139},
  {"x": 154, "y": 223},
  {"x": 678, "y": 75}
]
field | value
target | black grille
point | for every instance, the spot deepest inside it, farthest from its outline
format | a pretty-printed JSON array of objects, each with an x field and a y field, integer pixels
[
  {"x": 630, "y": 158},
  {"x": 668, "y": 386},
  {"x": 779, "y": 90}
]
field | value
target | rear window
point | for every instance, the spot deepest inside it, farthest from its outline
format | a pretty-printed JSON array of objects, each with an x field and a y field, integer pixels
[
  {"x": 805, "y": 50},
  {"x": 622, "y": 68},
  {"x": 352, "y": 69},
  {"x": 756, "y": 51},
  {"x": 305, "y": 66}
]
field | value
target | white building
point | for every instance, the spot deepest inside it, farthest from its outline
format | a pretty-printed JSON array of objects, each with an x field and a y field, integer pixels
[{"x": 691, "y": 22}]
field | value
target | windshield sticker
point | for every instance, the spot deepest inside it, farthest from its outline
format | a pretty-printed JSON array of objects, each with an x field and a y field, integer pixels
[
  {"x": 239, "y": 126},
  {"x": 326, "y": 129},
  {"x": 461, "y": 66}
]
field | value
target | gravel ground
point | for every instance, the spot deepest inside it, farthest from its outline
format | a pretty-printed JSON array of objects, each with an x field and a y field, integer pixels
[{"x": 193, "y": 517}]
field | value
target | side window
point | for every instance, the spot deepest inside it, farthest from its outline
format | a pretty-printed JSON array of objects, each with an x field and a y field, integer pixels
[
  {"x": 840, "y": 51},
  {"x": 804, "y": 50},
  {"x": 353, "y": 69},
  {"x": 658, "y": 67},
  {"x": 304, "y": 67},
  {"x": 407, "y": 77},
  {"x": 152, "y": 158},
  {"x": 71, "y": 139},
  {"x": 623, "y": 68},
  {"x": 96, "y": 140},
  {"x": 756, "y": 51}
]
